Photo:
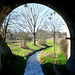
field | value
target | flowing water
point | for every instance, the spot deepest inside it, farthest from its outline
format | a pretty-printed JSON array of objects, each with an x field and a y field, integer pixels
[{"x": 33, "y": 67}]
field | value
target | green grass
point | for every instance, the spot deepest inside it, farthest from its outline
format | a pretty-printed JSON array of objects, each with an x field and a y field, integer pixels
[
  {"x": 61, "y": 58},
  {"x": 13, "y": 44},
  {"x": 19, "y": 51},
  {"x": 44, "y": 55},
  {"x": 32, "y": 46},
  {"x": 47, "y": 58},
  {"x": 47, "y": 61},
  {"x": 17, "y": 65},
  {"x": 61, "y": 63},
  {"x": 49, "y": 42}
]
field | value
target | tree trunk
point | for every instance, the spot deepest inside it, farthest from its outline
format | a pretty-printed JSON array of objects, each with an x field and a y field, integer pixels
[
  {"x": 34, "y": 39},
  {"x": 54, "y": 44},
  {"x": 54, "y": 41},
  {"x": 5, "y": 32},
  {"x": 34, "y": 36},
  {"x": 5, "y": 28}
]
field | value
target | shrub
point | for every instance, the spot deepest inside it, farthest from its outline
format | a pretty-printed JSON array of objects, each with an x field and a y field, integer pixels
[
  {"x": 63, "y": 46},
  {"x": 41, "y": 42},
  {"x": 23, "y": 45}
]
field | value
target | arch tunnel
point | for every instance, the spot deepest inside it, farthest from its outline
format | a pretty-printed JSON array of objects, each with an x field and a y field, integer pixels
[{"x": 64, "y": 8}]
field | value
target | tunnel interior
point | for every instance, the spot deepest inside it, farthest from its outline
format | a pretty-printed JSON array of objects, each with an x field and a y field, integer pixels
[{"x": 65, "y": 9}]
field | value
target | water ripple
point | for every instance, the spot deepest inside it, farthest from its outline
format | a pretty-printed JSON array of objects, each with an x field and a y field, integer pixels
[{"x": 33, "y": 67}]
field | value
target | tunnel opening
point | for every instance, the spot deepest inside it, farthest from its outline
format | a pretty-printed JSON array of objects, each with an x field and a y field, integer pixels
[
  {"x": 39, "y": 30},
  {"x": 69, "y": 26}
]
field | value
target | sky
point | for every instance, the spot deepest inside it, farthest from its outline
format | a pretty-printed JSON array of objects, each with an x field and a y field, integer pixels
[{"x": 56, "y": 18}]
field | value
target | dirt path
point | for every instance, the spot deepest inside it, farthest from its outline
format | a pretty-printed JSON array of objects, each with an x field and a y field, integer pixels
[{"x": 55, "y": 61}]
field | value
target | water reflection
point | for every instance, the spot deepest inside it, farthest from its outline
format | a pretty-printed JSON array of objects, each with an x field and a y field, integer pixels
[{"x": 33, "y": 67}]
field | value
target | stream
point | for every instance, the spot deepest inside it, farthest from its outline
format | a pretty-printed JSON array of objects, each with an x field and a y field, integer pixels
[{"x": 33, "y": 66}]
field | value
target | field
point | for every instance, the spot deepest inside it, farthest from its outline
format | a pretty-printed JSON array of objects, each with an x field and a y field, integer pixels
[
  {"x": 46, "y": 57},
  {"x": 17, "y": 66}
]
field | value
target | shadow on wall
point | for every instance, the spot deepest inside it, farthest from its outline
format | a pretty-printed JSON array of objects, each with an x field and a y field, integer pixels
[
  {"x": 17, "y": 66},
  {"x": 48, "y": 69},
  {"x": 13, "y": 67}
]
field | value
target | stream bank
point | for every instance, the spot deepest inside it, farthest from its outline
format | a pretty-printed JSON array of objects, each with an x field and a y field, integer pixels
[{"x": 30, "y": 54}]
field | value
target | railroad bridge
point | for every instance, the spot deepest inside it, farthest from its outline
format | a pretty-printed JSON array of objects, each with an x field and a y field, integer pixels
[{"x": 66, "y": 8}]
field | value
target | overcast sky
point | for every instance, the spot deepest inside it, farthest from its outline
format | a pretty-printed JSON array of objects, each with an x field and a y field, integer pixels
[{"x": 57, "y": 18}]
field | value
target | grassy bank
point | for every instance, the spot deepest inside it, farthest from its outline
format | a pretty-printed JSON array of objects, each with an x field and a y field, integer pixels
[
  {"x": 61, "y": 63},
  {"x": 33, "y": 47},
  {"x": 47, "y": 57},
  {"x": 13, "y": 44},
  {"x": 20, "y": 51},
  {"x": 17, "y": 64}
]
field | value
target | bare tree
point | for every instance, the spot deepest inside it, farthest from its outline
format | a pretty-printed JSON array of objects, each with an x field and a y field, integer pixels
[
  {"x": 55, "y": 25},
  {"x": 42, "y": 36},
  {"x": 4, "y": 27},
  {"x": 29, "y": 19},
  {"x": 33, "y": 18},
  {"x": 25, "y": 37}
]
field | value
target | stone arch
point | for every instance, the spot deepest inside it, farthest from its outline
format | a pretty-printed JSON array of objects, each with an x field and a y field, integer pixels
[{"x": 64, "y": 8}]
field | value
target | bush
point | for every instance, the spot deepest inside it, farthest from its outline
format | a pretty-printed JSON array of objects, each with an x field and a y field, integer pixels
[
  {"x": 41, "y": 42},
  {"x": 63, "y": 46},
  {"x": 24, "y": 46}
]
